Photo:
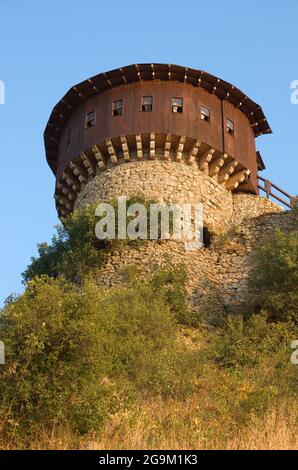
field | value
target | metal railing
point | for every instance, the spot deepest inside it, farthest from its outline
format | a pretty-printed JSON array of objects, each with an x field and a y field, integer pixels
[{"x": 267, "y": 187}]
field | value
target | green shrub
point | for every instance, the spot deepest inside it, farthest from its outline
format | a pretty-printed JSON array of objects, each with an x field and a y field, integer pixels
[
  {"x": 140, "y": 335},
  {"x": 170, "y": 280},
  {"x": 274, "y": 279},
  {"x": 54, "y": 364},
  {"x": 72, "y": 252},
  {"x": 246, "y": 342},
  {"x": 75, "y": 250},
  {"x": 247, "y": 369},
  {"x": 75, "y": 356}
]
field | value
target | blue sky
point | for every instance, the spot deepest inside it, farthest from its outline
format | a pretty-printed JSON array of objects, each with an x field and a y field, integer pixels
[{"x": 48, "y": 46}]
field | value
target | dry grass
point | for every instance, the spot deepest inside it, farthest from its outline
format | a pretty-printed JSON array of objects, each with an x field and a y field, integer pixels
[
  {"x": 175, "y": 425},
  {"x": 274, "y": 433}
]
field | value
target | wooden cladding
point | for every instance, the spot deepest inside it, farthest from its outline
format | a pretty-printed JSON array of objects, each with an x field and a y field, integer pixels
[{"x": 160, "y": 108}]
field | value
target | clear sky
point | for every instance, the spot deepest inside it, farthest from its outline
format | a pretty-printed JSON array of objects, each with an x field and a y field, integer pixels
[{"x": 48, "y": 46}]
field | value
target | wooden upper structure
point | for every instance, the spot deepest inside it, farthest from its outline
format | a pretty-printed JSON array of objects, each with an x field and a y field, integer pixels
[{"x": 191, "y": 115}]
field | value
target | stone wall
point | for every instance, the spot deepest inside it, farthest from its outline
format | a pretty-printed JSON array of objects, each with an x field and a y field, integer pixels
[
  {"x": 217, "y": 272},
  {"x": 246, "y": 206},
  {"x": 172, "y": 182},
  {"x": 176, "y": 182},
  {"x": 239, "y": 221}
]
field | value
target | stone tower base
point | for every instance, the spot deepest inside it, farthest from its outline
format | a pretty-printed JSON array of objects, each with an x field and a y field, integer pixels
[
  {"x": 218, "y": 273},
  {"x": 238, "y": 221}
]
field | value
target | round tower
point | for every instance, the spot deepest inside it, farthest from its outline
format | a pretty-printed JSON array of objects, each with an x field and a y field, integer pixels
[{"x": 169, "y": 132}]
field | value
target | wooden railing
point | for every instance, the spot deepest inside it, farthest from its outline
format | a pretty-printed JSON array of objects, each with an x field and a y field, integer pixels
[{"x": 267, "y": 187}]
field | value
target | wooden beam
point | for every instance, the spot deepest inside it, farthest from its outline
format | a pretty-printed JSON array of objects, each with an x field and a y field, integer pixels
[
  {"x": 167, "y": 147},
  {"x": 180, "y": 148},
  {"x": 71, "y": 181},
  {"x": 79, "y": 172},
  {"x": 205, "y": 159},
  {"x": 88, "y": 164},
  {"x": 227, "y": 171},
  {"x": 139, "y": 147},
  {"x": 217, "y": 164},
  {"x": 63, "y": 201},
  {"x": 193, "y": 152},
  {"x": 125, "y": 148},
  {"x": 71, "y": 196},
  {"x": 152, "y": 146},
  {"x": 98, "y": 157},
  {"x": 63, "y": 187},
  {"x": 234, "y": 180},
  {"x": 67, "y": 191},
  {"x": 111, "y": 151}
]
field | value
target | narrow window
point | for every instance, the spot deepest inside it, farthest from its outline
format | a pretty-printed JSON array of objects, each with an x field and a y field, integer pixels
[
  {"x": 230, "y": 126},
  {"x": 117, "y": 109},
  {"x": 68, "y": 138},
  {"x": 177, "y": 105},
  {"x": 90, "y": 119},
  {"x": 207, "y": 237},
  {"x": 205, "y": 113},
  {"x": 147, "y": 103}
]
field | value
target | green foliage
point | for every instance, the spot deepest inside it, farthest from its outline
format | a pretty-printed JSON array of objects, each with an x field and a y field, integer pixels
[
  {"x": 77, "y": 354},
  {"x": 274, "y": 280},
  {"x": 245, "y": 342},
  {"x": 54, "y": 363},
  {"x": 248, "y": 363},
  {"x": 72, "y": 252},
  {"x": 75, "y": 251},
  {"x": 171, "y": 282},
  {"x": 74, "y": 356},
  {"x": 140, "y": 336}
]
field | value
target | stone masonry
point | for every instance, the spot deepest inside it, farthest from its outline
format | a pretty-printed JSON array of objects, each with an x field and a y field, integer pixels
[{"x": 237, "y": 220}]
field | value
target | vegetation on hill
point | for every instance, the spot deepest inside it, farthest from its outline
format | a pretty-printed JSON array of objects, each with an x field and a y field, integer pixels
[
  {"x": 75, "y": 250},
  {"x": 134, "y": 367}
]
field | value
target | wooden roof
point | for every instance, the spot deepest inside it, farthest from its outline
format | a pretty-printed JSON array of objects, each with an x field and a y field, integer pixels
[
  {"x": 142, "y": 72},
  {"x": 260, "y": 162}
]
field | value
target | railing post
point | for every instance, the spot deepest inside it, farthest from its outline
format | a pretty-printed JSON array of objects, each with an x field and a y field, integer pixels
[
  {"x": 267, "y": 188},
  {"x": 293, "y": 201}
]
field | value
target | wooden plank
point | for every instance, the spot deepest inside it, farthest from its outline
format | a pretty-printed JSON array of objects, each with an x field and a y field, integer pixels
[
  {"x": 217, "y": 164},
  {"x": 71, "y": 181},
  {"x": 167, "y": 147},
  {"x": 152, "y": 146},
  {"x": 205, "y": 159},
  {"x": 67, "y": 191},
  {"x": 63, "y": 201},
  {"x": 225, "y": 173},
  {"x": 180, "y": 148},
  {"x": 193, "y": 152},
  {"x": 79, "y": 172},
  {"x": 98, "y": 157},
  {"x": 111, "y": 151},
  {"x": 140, "y": 155},
  {"x": 88, "y": 164},
  {"x": 125, "y": 148},
  {"x": 234, "y": 180}
]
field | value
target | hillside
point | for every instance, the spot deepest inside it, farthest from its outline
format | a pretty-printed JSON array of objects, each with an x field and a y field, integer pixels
[{"x": 137, "y": 365}]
